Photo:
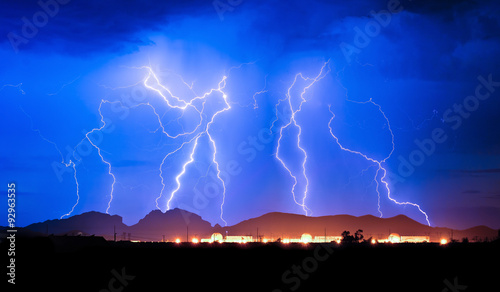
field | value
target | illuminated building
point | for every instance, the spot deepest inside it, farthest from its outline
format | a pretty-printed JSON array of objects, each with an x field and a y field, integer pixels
[
  {"x": 320, "y": 239},
  {"x": 217, "y": 237},
  {"x": 239, "y": 238},
  {"x": 415, "y": 239},
  {"x": 394, "y": 238},
  {"x": 306, "y": 238}
]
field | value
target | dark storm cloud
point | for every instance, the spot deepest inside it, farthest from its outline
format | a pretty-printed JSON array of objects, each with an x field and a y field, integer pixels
[
  {"x": 85, "y": 26},
  {"x": 493, "y": 170},
  {"x": 434, "y": 7},
  {"x": 433, "y": 36},
  {"x": 82, "y": 27}
]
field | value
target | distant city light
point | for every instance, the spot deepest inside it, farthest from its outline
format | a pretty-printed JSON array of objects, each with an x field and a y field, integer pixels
[
  {"x": 307, "y": 238},
  {"x": 394, "y": 238}
]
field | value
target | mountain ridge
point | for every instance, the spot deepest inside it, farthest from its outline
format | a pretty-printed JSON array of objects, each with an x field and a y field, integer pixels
[{"x": 178, "y": 223}]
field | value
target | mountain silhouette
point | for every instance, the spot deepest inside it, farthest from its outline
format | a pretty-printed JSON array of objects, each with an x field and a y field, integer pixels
[
  {"x": 177, "y": 223},
  {"x": 88, "y": 223},
  {"x": 278, "y": 224}
]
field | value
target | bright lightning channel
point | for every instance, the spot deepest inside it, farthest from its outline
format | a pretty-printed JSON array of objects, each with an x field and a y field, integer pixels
[
  {"x": 325, "y": 69},
  {"x": 176, "y": 102},
  {"x": 379, "y": 163},
  {"x": 99, "y": 153}
]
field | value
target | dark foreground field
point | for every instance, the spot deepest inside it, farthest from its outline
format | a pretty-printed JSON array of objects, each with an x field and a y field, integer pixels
[{"x": 78, "y": 264}]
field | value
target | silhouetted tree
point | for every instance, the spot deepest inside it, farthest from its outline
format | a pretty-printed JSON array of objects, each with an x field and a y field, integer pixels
[
  {"x": 347, "y": 237},
  {"x": 358, "y": 236},
  {"x": 465, "y": 240}
]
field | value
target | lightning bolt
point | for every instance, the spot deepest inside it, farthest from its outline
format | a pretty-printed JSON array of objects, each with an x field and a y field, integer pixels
[
  {"x": 63, "y": 86},
  {"x": 98, "y": 152},
  {"x": 214, "y": 156},
  {"x": 70, "y": 163},
  {"x": 111, "y": 194},
  {"x": 262, "y": 91},
  {"x": 379, "y": 163},
  {"x": 18, "y": 86},
  {"x": 292, "y": 122},
  {"x": 177, "y": 178},
  {"x": 176, "y": 102}
]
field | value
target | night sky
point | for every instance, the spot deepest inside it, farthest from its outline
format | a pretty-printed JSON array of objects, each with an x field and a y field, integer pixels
[{"x": 422, "y": 76}]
